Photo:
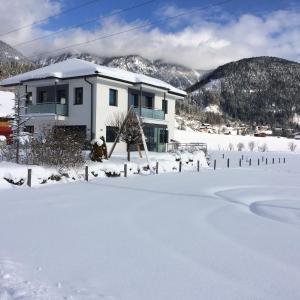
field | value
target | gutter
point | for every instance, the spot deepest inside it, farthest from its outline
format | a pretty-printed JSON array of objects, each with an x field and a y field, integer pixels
[{"x": 92, "y": 106}]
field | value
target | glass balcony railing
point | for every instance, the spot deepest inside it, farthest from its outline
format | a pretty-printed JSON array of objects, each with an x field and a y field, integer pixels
[
  {"x": 150, "y": 113},
  {"x": 48, "y": 108}
]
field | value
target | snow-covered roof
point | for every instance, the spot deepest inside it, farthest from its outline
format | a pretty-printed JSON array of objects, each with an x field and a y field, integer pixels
[
  {"x": 76, "y": 67},
  {"x": 6, "y": 104}
]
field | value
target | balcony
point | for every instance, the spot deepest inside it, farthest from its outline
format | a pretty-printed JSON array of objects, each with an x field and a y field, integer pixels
[
  {"x": 150, "y": 113},
  {"x": 48, "y": 108}
]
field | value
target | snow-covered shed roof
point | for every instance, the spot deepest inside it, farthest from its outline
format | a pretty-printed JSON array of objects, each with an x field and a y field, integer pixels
[
  {"x": 6, "y": 104},
  {"x": 76, "y": 68}
]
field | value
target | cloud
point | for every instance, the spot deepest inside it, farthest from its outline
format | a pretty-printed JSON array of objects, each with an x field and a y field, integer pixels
[{"x": 201, "y": 41}]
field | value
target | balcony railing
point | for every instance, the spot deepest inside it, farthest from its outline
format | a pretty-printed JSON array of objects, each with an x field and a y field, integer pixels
[
  {"x": 48, "y": 108},
  {"x": 150, "y": 113}
]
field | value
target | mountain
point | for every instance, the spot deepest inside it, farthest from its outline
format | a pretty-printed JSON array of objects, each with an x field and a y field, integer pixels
[
  {"x": 259, "y": 89},
  {"x": 177, "y": 75},
  {"x": 12, "y": 62}
]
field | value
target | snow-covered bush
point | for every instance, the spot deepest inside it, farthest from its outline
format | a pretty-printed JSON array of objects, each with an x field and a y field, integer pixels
[
  {"x": 251, "y": 145},
  {"x": 292, "y": 146},
  {"x": 99, "y": 149},
  {"x": 240, "y": 146},
  {"x": 230, "y": 147},
  {"x": 263, "y": 147}
]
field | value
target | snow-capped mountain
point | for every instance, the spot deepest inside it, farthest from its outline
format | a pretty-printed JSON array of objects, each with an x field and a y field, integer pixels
[{"x": 177, "y": 75}]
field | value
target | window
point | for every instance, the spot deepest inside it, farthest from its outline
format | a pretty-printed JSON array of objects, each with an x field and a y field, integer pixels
[
  {"x": 133, "y": 100},
  {"x": 43, "y": 97},
  {"x": 29, "y": 129},
  {"x": 113, "y": 97},
  {"x": 148, "y": 101},
  {"x": 163, "y": 136},
  {"x": 28, "y": 98},
  {"x": 165, "y": 106},
  {"x": 78, "y": 96},
  {"x": 61, "y": 97},
  {"x": 111, "y": 133}
]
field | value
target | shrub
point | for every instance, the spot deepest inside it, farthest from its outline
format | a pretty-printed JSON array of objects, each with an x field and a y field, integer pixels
[
  {"x": 251, "y": 145},
  {"x": 240, "y": 146},
  {"x": 230, "y": 147},
  {"x": 292, "y": 146}
]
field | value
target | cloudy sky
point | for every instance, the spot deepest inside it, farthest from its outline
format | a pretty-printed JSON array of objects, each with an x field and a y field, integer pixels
[{"x": 200, "y": 34}]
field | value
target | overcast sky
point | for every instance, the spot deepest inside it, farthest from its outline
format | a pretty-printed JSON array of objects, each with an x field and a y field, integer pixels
[{"x": 199, "y": 38}]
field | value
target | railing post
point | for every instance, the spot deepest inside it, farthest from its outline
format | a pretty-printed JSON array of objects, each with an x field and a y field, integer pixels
[
  {"x": 273, "y": 160},
  {"x": 266, "y": 160},
  {"x": 242, "y": 157},
  {"x": 198, "y": 165},
  {"x": 215, "y": 164},
  {"x": 284, "y": 160},
  {"x": 223, "y": 155},
  {"x": 279, "y": 159},
  {"x": 86, "y": 174},
  {"x": 227, "y": 162},
  {"x": 125, "y": 170},
  {"x": 180, "y": 166},
  {"x": 258, "y": 161},
  {"x": 240, "y": 162},
  {"x": 156, "y": 167},
  {"x": 29, "y": 173},
  {"x": 250, "y": 162},
  {"x": 262, "y": 159}
]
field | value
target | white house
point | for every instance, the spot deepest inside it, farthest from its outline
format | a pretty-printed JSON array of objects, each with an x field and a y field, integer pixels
[{"x": 84, "y": 96}]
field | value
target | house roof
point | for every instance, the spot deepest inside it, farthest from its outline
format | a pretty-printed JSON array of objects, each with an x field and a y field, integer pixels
[{"x": 78, "y": 68}]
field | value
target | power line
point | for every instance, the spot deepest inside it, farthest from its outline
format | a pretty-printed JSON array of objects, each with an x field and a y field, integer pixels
[
  {"x": 136, "y": 27},
  {"x": 50, "y": 17},
  {"x": 85, "y": 23}
]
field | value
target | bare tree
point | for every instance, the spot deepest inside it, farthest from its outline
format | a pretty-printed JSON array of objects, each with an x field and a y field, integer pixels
[
  {"x": 240, "y": 146},
  {"x": 292, "y": 146},
  {"x": 129, "y": 131},
  {"x": 251, "y": 145}
]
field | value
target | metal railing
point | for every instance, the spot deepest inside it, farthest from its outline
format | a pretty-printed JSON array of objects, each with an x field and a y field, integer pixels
[
  {"x": 190, "y": 147},
  {"x": 48, "y": 108},
  {"x": 150, "y": 113}
]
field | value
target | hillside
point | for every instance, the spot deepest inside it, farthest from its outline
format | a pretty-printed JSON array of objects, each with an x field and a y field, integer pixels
[
  {"x": 259, "y": 89},
  {"x": 13, "y": 62}
]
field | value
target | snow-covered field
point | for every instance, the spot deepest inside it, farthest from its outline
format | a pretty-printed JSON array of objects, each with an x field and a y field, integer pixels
[
  {"x": 221, "y": 141},
  {"x": 224, "y": 234}
]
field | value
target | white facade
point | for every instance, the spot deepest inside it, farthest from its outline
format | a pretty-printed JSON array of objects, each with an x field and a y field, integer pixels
[{"x": 95, "y": 112}]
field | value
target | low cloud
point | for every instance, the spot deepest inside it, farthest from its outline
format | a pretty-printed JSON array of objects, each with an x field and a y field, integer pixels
[{"x": 200, "y": 41}]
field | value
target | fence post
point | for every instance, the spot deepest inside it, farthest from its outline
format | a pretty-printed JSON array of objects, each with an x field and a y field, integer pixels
[
  {"x": 125, "y": 170},
  {"x": 240, "y": 162},
  {"x": 29, "y": 173},
  {"x": 227, "y": 162},
  {"x": 284, "y": 160},
  {"x": 198, "y": 165},
  {"x": 86, "y": 174},
  {"x": 262, "y": 159},
  {"x": 223, "y": 155},
  {"x": 250, "y": 162},
  {"x": 215, "y": 164},
  {"x": 273, "y": 160},
  {"x": 156, "y": 168},
  {"x": 279, "y": 159},
  {"x": 266, "y": 161},
  {"x": 242, "y": 157},
  {"x": 258, "y": 161}
]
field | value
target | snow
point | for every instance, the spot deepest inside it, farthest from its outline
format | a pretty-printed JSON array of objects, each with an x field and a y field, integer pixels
[
  {"x": 99, "y": 142},
  {"x": 213, "y": 108},
  {"x": 6, "y": 104},
  {"x": 76, "y": 67},
  {"x": 224, "y": 234},
  {"x": 221, "y": 141}
]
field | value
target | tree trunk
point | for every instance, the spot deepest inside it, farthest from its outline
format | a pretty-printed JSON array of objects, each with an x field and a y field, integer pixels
[{"x": 138, "y": 146}]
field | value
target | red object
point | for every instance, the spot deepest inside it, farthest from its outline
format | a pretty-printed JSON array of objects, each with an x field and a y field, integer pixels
[{"x": 7, "y": 132}]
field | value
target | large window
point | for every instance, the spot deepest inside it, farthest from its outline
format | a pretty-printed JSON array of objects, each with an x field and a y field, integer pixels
[
  {"x": 133, "y": 100},
  {"x": 148, "y": 101},
  {"x": 113, "y": 97},
  {"x": 28, "y": 98},
  {"x": 78, "y": 96},
  {"x": 163, "y": 136},
  {"x": 61, "y": 96},
  {"x": 165, "y": 106},
  {"x": 111, "y": 134},
  {"x": 43, "y": 97}
]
